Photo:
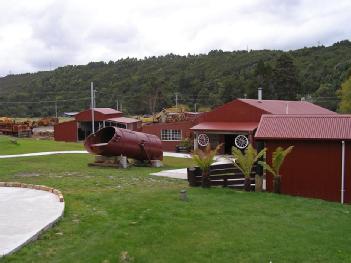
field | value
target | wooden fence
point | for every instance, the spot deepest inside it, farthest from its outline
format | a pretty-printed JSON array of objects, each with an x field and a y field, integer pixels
[{"x": 225, "y": 175}]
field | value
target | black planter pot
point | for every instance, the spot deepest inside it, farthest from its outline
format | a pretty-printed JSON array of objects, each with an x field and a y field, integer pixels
[
  {"x": 276, "y": 184},
  {"x": 205, "y": 182},
  {"x": 194, "y": 174},
  {"x": 247, "y": 184},
  {"x": 182, "y": 149}
]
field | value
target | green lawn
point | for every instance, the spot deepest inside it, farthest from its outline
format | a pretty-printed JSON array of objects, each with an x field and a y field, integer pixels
[
  {"x": 111, "y": 211},
  {"x": 25, "y": 145}
]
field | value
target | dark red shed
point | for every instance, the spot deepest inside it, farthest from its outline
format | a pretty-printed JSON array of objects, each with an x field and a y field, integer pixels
[
  {"x": 100, "y": 114},
  {"x": 66, "y": 131},
  {"x": 81, "y": 127},
  {"x": 320, "y": 164}
]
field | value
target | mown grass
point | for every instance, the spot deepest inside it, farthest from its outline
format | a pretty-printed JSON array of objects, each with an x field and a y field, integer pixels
[
  {"x": 111, "y": 211},
  {"x": 12, "y": 145}
]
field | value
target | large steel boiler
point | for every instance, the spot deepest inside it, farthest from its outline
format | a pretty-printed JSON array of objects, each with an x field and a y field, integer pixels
[{"x": 113, "y": 141}]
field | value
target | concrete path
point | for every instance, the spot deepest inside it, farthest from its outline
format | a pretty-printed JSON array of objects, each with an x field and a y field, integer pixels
[
  {"x": 176, "y": 173},
  {"x": 182, "y": 173},
  {"x": 170, "y": 154},
  {"x": 38, "y": 154},
  {"x": 24, "y": 213},
  {"x": 178, "y": 155}
]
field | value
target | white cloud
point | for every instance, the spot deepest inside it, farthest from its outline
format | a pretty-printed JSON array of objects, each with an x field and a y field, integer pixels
[{"x": 39, "y": 34}]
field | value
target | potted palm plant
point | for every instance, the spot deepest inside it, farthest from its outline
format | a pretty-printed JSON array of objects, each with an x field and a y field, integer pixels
[
  {"x": 245, "y": 161},
  {"x": 278, "y": 158},
  {"x": 184, "y": 146},
  {"x": 204, "y": 159}
]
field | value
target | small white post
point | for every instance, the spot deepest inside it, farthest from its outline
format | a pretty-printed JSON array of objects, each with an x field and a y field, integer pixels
[
  {"x": 92, "y": 107},
  {"x": 196, "y": 146},
  {"x": 342, "y": 171}
]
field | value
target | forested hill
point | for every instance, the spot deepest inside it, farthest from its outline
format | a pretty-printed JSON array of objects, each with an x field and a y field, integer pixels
[{"x": 207, "y": 80}]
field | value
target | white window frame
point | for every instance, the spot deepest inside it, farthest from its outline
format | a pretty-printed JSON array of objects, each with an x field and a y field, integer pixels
[{"x": 171, "y": 135}]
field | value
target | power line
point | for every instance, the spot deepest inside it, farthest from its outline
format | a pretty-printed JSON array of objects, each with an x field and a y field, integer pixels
[
  {"x": 38, "y": 102},
  {"x": 47, "y": 92}
]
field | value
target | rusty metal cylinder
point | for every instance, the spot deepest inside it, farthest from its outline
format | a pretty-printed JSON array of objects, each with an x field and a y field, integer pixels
[{"x": 113, "y": 141}]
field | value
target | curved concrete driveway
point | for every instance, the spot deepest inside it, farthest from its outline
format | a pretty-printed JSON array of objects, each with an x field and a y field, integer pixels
[
  {"x": 24, "y": 214},
  {"x": 170, "y": 154},
  {"x": 38, "y": 154}
]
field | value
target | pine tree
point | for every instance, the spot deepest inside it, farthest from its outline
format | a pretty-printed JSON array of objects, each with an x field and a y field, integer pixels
[
  {"x": 263, "y": 72},
  {"x": 285, "y": 79}
]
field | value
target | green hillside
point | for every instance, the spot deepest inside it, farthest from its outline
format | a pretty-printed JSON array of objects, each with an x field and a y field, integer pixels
[{"x": 147, "y": 85}]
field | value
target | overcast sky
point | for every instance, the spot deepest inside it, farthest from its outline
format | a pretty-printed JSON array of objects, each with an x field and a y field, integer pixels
[{"x": 44, "y": 34}]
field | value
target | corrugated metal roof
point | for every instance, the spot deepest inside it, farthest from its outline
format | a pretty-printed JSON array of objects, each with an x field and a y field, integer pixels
[
  {"x": 123, "y": 120},
  {"x": 287, "y": 107},
  {"x": 106, "y": 110},
  {"x": 225, "y": 126},
  {"x": 330, "y": 127}
]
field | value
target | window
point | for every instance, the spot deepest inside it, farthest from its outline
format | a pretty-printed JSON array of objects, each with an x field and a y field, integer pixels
[
  {"x": 171, "y": 135},
  {"x": 121, "y": 125}
]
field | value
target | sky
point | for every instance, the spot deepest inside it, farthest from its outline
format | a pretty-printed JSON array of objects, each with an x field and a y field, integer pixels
[{"x": 40, "y": 35}]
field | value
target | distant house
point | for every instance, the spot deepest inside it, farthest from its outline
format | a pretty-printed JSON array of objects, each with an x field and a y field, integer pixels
[
  {"x": 79, "y": 128},
  {"x": 320, "y": 164}
]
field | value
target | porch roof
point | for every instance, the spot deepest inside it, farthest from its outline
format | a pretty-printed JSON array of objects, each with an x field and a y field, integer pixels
[
  {"x": 226, "y": 126},
  {"x": 123, "y": 120}
]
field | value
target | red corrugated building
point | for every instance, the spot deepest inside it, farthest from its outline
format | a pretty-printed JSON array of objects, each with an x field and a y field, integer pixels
[
  {"x": 320, "y": 164},
  {"x": 225, "y": 123},
  {"x": 100, "y": 114},
  {"x": 79, "y": 128},
  {"x": 239, "y": 119},
  {"x": 171, "y": 133}
]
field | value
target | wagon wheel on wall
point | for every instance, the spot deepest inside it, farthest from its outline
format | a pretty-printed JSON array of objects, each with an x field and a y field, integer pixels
[
  {"x": 241, "y": 141},
  {"x": 203, "y": 140}
]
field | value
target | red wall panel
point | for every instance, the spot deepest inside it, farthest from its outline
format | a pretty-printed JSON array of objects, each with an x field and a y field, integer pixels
[
  {"x": 66, "y": 131},
  {"x": 312, "y": 169},
  {"x": 235, "y": 111},
  {"x": 169, "y": 145},
  {"x": 98, "y": 116}
]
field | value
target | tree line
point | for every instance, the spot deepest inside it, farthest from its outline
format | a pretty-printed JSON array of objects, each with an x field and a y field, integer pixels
[{"x": 145, "y": 86}]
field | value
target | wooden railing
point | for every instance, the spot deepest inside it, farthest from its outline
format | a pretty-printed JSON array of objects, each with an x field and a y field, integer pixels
[{"x": 225, "y": 175}]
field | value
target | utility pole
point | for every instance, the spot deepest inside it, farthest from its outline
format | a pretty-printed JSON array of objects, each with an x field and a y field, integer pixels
[
  {"x": 94, "y": 98},
  {"x": 92, "y": 106},
  {"x": 177, "y": 100},
  {"x": 195, "y": 107},
  {"x": 56, "y": 108},
  {"x": 117, "y": 104}
]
